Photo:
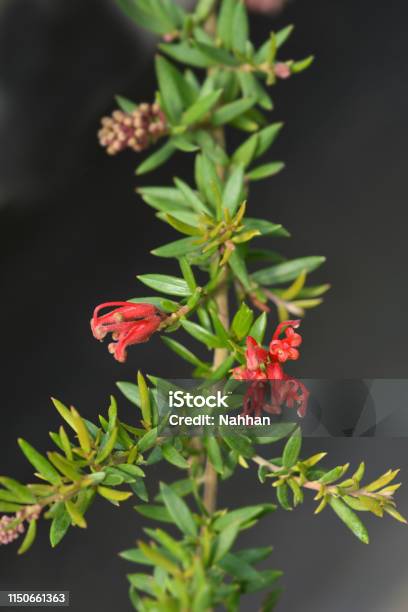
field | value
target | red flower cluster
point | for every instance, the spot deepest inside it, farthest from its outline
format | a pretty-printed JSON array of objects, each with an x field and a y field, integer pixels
[
  {"x": 262, "y": 364},
  {"x": 129, "y": 324},
  {"x": 136, "y": 130},
  {"x": 265, "y": 365}
]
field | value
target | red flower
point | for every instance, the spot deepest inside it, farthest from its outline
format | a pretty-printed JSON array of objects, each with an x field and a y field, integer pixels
[
  {"x": 284, "y": 349},
  {"x": 129, "y": 324},
  {"x": 262, "y": 365},
  {"x": 256, "y": 357}
]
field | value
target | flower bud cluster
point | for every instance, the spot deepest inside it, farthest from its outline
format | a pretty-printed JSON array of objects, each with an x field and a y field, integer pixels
[
  {"x": 136, "y": 130},
  {"x": 9, "y": 534},
  {"x": 11, "y": 527}
]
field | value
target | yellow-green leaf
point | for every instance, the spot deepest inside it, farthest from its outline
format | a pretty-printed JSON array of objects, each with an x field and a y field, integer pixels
[
  {"x": 29, "y": 538},
  {"x": 113, "y": 494},
  {"x": 82, "y": 432},
  {"x": 75, "y": 514}
]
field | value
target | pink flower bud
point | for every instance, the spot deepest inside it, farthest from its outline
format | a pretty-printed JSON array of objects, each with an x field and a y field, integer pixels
[
  {"x": 282, "y": 70},
  {"x": 136, "y": 130},
  {"x": 265, "y": 6}
]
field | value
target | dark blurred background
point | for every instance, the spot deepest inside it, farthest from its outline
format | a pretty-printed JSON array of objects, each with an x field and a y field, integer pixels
[{"x": 73, "y": 234}]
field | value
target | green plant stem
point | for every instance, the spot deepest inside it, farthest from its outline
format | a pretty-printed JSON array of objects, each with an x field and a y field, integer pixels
[{"x": 314, "y": 485}]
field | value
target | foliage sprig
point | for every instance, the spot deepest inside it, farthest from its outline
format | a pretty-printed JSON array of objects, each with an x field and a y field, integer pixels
[{"x": 211, "y": 78}]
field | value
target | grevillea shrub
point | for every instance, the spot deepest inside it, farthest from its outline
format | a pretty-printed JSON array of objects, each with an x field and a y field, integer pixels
[{"x": 211, "y": 80}]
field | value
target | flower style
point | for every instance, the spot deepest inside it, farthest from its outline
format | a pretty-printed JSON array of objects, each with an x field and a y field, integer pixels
[
  {"x": 262, "y": 365},
  {"x": 129, "y": 324},
  {"x": 136, "y": 130}
]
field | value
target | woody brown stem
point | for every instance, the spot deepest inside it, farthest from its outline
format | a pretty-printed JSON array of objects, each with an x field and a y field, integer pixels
[
  {"x": 220, "y": 354},
  {"x": 221, "y": 300}
]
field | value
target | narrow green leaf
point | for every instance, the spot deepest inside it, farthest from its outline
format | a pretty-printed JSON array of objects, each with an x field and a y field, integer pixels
[
  {"x": 264, "y": 171},
  {"x": 183, "y": 352},
  {"x": 350, "y": 519},
  {"x": 258, "y": 328},
  {"x": 6, "y": 506},
  {"x": 214, "y": 454},
  {"x": 157, "y": 158},
  {"x": 225, "y": 540},
  {"x": 148, "y": 440},
  {"x": 230, "y": 111},
  {"x": 41, "y": 464},
  {"x": 217, "y": 55},
  {"x": 130, "y": 391},
  {"x": 165, "y": 284},
  {"x": 332, "y": 475},
  {"x": 302, "y": 64},
  {"x": 287, "y": 271},
  {"x": 292, "y": 449},
  {"x": 242, "y": 321},
  {"x": 64, "y": 466},
  {"x": 240, "y": 444},
  {"x": 178, "y": 248},
  {"x": 107, "y": 445},
  {"x": 282, "y": 493},
  {"x": 156, "y": 513},
  {"x": 29, "y": 538},
  {"x": 200, "y": 108},
  {"x": 139, "y": 489},
  {"x": 20, "y": 492},
  {"x": 178, "y": 510},
  {"x": 257, "y": 144},
  {"x": 202, "y": 335},
  {"x": 283, "y": 35},
  {"x": 173, "y": 456},
  {"x": 64, "y": 412},
  {"x": 113, "y": 494},
  {"x": 59, "y": 526},
  {"x": 170, "y": 79},
  {"x": 142, "y": 14},
  {"x": 82, "y": 432},
  {"x": 75, "y": 514},
  {"x": 144, "y": 400},
  {"x": 237, "y": 265},
  {"x": 203, "y": 9},
  {"x": 126, "y": 105},
  {"x": 232, "y": 194},
  {"x": 185, "y": 53},
  {"x": 191, "y": 197},
  {"x": 243, "y": 515},
  {"x": 188, "y": 274},
  {"x": 225, "y": 18},
  {"x": 240, "y": 27}
]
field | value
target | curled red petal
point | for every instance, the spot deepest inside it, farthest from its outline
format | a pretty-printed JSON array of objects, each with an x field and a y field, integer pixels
[
  {"x": 295, "y": 324},
  {"x": 139, "y": 332}
]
